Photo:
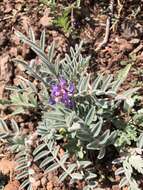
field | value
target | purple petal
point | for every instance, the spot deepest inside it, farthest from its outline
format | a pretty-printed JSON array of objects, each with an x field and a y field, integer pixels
[
  {"x": 63, "y": 83},
  {"x": 65, "y": 98},
  {"x": 71, "y": 88},
  {"x": 52, "y": 101},
  {"x": 70, "y": 104},
  {"x": 56, "y": 90}
]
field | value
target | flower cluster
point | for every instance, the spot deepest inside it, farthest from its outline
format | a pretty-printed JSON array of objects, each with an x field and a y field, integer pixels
[{"x": 62, "y": 92}]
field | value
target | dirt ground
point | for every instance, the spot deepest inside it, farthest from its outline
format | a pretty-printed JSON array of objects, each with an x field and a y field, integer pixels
[{"x": 124, "y": 46}]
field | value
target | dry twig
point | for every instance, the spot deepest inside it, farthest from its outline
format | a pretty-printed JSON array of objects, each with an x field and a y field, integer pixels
[{"x": 108, "y": 24}]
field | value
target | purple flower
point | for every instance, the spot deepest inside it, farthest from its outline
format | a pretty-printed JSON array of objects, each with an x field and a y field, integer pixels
[
  {"x": 52, "y": 101},
  {"x": 71, "y": 88},
  {"x": 62, "y": 92},
  {"x": 63, "y": 82},
  {"x": 55, "y": 90}
]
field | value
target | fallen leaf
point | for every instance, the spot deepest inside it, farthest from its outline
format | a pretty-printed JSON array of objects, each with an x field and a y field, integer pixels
[{"x": 13, "y": 185}]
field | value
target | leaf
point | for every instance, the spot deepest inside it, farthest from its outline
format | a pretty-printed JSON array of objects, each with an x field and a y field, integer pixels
[
  {"x": 83, "y": 84},
  {"x": 51, "y": 53},
  {"x": 106, "y": 83},
  {"x": 14, "y": 126},
  {"x": 55, "y": 151},
  {"x": 71, "y": 168},
  {"x": 30, "y": 70},
  {"x": 24, "y": 184},
  {"x": 96, "y": 128},
  {"x": 112, "y": 138},
  {"x": 77, "y": 176},
  {"x": 119, "y": 171},
  {"x": 127, "y": 168},
  {"x": 38, "y": 51},
  {"x": 52, "y": 167},
  {"x": 84, "y": 164},
  {"x": 140, "y": 141},
  {"x": 41, "y": 155},
  {"x": 39, "y": 148},
  {"x": 90, "y": 116},
  {"x": 104, "y": 137},
  {"x": 63, "y": 176},
  {"x": 123, "y": 182},
  {"x": 21, "y": 166},
  {"x": 91, "y": 176},
  {"x": 137, "y": 162},
  {"x": 122, "y": 75},
  {"x": 31, "y": 35},
  {"x": 94, "y": 145},
  {"x": 134, "y": 185},
  {"x": 130, "y": 92},
  {"x": 18, "y": 111},
  {"x": 101, "y": 153},
  {"x": 46, "y": 161},
  {"x": 22, "y": 175},
  {"x": 96, "y": 83},
  {"x": 64, "y": 158},
  {"x": 128, "y": 104}
]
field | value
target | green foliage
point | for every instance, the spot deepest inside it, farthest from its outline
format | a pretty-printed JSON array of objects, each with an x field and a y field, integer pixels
[
  {"x": 138, "y": 118},
  {"x": 25, "y": 172},
  {"x": 63, "y": 21},
  {"x": 127, "y": 135},
  {"x": 132, "y": 165},
  {"x": 13, "y": 135},
  {"x": 52, "y": 160}
]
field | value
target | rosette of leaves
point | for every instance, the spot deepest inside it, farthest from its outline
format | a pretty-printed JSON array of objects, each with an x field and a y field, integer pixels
[{"x": 88, "y": 122}]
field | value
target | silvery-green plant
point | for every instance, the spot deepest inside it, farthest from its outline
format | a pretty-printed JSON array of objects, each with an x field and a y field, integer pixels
[
  {"x": 132, "y": 167},
  {"x": 75, "y": 105}
]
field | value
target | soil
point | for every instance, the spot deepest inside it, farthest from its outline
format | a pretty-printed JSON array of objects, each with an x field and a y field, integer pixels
[{"x": 125, "y": 45}]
